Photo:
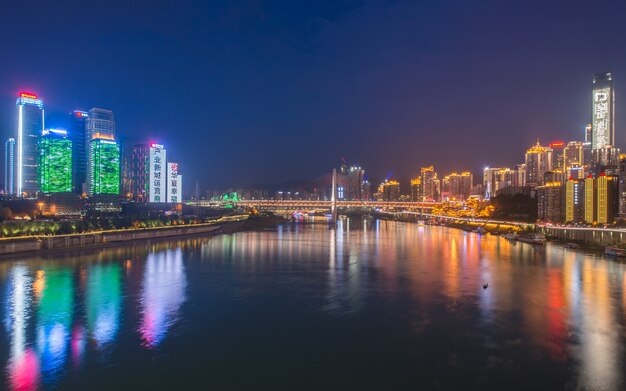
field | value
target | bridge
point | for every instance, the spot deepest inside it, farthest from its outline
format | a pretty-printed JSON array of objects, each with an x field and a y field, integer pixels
[{"x": 317, "y": 205}]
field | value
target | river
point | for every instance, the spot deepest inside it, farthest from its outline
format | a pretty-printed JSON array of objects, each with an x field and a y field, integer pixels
[{"x": 364, "y": 305}]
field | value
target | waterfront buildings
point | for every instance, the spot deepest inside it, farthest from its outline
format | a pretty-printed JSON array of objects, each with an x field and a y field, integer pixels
[
  {"x": 573, "y": 154},
  {"x": 351, "y": 179},
  {"x": 416, "y": 189},
  {"x": 389, "y": 190},
  {"x": 601, "y": 199},
  {"x": 9, "y": 166},
  {"x": 30, "y": 125},
  {"x": 55, "y": 162},
  {"x": 457, "y": 186},
  {"x": 538, "y": 161},
  {"x": 77, "y": 134},
  {"x": 558, "y": 161},
  {"x": 174, "y": 183},
  {"x": 574, "y": 197}
]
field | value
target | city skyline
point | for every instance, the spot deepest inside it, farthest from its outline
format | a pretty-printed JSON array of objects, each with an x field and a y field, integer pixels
[{"x": 252, "y": 86}]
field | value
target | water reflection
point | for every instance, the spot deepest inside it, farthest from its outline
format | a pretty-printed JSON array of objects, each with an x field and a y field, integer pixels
[
  {"x": 163, "y": 293},
  {"x": 549, "y": 311}
]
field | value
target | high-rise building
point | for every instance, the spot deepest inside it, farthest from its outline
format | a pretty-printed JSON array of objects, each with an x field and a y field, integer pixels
[
  {"x": 427, "y": 176},
  {"x": 519, "y": 175},
  {"x": 601, "y": 199},
  {"x": 104, "y": 166},
  {"x": 416, "y": 189},
  {"x": 497, "y": 178},
  {"x": 30, "y": 124},
  {"x": 550, "y": 200},
  {"x": 174, "y": 184},
  {"x": 603, "y": 111},
  {"x": 100, "y": 123},
  {"x": 457, "y": 186},
  {"x": 538, "y": 161},
  {"x": 55, "y": 162},
  {"x": 622, "y": 187},
  {"x": 574, "y": 200},
  {"x": 352, "y": 180},
  {"x": 558, "y": 159},
  {"x": 605, "y": 159},
  {"x": 77, "y": 134},
  {"x": 389, "y": 190},
  {"x": 588, "y": 133},
  {"x": 148, "y": 173},
  {"x": 573, "y": 154},
  {"x": 9, "y": 166}
]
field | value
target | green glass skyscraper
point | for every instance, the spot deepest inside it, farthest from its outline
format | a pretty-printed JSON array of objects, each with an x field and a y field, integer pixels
[
  {"x": 54, "y": 167},
  {"x": 104, "y": 169}
]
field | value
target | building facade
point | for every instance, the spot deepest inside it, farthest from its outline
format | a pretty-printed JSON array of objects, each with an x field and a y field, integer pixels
[
  {"x": 603, "y": 111},
  {"x": 77, "y": 134},
  {"x": 55, "y": 162},
  {"x": 9, "y": 166},
  {"x": 538, "y": 161},
  {"x": 104, "y": 167},
  {"x": 550, "y": 202}
]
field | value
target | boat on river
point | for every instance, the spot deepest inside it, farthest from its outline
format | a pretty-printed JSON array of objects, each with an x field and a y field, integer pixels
[
  {"x": 615, "y": 251},
  {"x": 533, "y": 238},
  {"x": 510, "y": 236}
]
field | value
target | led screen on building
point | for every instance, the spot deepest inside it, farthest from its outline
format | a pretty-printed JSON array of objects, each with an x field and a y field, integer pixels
[
  {"x": 601, "y": 118},
  {"x": 105, "y": 167},
  {"x": 157, "y": 179},
  {"x": 174, "y": 183},
  {"x": 55, "y": 165}
]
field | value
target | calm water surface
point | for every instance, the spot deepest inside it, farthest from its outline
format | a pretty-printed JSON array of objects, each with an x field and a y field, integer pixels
[{"x": 368, "y": 305}]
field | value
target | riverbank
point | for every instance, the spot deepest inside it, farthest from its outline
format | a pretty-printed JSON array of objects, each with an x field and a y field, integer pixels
[{"x": 24, "y": 246}]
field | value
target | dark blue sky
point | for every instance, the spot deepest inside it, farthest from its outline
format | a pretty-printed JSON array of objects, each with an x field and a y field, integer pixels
[{"x": 266, "y": 91}]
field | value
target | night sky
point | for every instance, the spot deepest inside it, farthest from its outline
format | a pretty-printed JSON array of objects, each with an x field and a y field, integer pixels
[{"x": 266, "y": 91}]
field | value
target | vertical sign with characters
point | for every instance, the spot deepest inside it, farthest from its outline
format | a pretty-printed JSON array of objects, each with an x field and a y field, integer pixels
[{"x": 157, "y": 173}]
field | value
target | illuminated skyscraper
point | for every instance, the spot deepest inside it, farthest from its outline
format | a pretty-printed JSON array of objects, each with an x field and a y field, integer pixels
[
  {"x": 148, "y": 173},
  {"x": 603, "y": 111},
  {"x": 573, "y": 154},
  {"x": 574, "y": 197},
  {"x": 100, "y": 123},
  {"x": 389, "y": 190},
  {"x": 78, "y": 123},
  {"x": 55, "y": 162},
  {"x": 427, "y": 176},
  {"x": 104, "y": 167},
  {"x": 174, "y": 184},
  {"x": 557, "y": 155},
  {"x": 30, "y": 124},
  {"x": 9, "y": 166},
  {"x": 416, "y": 189},
  {"x": 352, "y": 180},
  {"x": 622, "y": 187},
  {"x": 538, "y": 161}
]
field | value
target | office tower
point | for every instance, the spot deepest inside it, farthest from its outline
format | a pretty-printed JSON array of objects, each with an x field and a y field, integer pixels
[
  {"x": 605, "y": 159},
  {"x": 416, "y": 189},
  {"x": 100, "y": 123},
  {"x": 55, "y": 162},
  {"x": 366, "y": 187},
  {"x": 77, "y": 134},
  {"x": 574, "y": 197},
  {"x": 573, "y": 154},
  {"x": 589, "y": 200},
  {"x": 588, "y": 133},
  {"x": 174, "y": 184},
  {"x": 603, "y": 111},
  {"x": 587, "y": 157},
  {"x": 427, "y": 176},
  {"x": 148, "y": 175},
  {"x": 519, "y": 175},
  {"x": 557, "y": 155},
  {"x": 30, "y": 124},
  {"x": 553, "y": 176},
  {"x": 104, "y": 167},
  {"x": 495, "y": 179},
  {"x": 9, "y": 166},
  {"x": 538, "y": 161},
  {"x": 550, "y": 200}
]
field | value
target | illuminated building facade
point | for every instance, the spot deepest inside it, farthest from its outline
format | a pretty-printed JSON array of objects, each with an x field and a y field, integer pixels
[
  {"x": 104, "y": 167},
  {"x": 174, "y": 184},
  {"x": 605, "y": 159},
  {"x": 457, "y": 186},
  {"x": 573, "y": 154},
  {"x": 538, "y": 161},
  {"x": 77, "y": 134},
  {"x": 496, "y": 179},
  {"x": 55, "y": 162},
  {"x": 30, "y": 124},
  {"x": 427, "y": 177},
  {"x": 550, "y": 200},
  {"x": 9, "y": 166},
  {"x": 603, "y": 111},
  {"x": 416, "y": 189},
  {"x": 99, "y": 123},
  {"x": 574, "y": 200},
  {"x": 389, "y": 190},
  {"x": 148, "y": 173},
  {"x": 558, "y": 160},
  {"x": 601, "y": 199},
  {"x": 351, "y": 179}
]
